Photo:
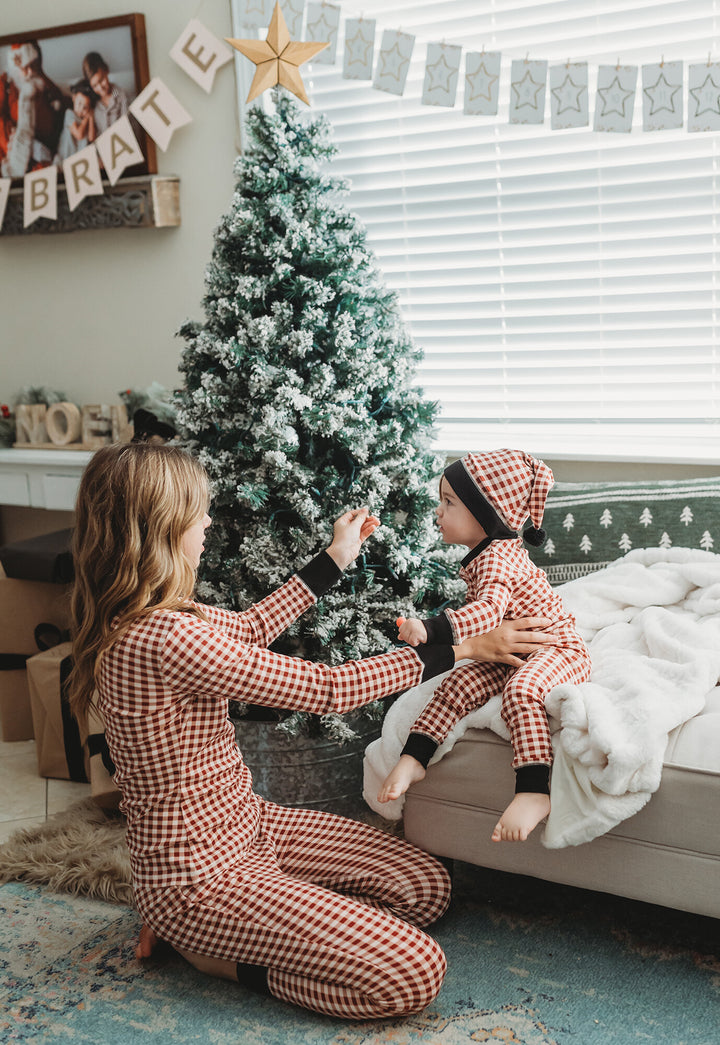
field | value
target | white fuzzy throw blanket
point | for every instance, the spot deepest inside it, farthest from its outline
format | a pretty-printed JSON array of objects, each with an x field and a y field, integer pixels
[{"x": 651, "y": 621}]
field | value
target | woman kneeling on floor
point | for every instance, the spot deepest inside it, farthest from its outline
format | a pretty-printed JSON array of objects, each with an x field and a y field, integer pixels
[{"x": 313, "y": 908}]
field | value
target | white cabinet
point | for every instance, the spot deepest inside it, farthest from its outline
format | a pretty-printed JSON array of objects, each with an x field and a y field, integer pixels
[{"x": 41, "y": 478}]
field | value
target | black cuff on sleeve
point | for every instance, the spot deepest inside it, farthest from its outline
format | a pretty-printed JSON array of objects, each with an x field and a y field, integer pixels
[
  {"x": 320, "y": 574},
  {"x": 439, "y": 630},
  {"x": 532, "y": 778},
  {"x": 435, "y": 658},
  {"x": 421, "y": 748}
]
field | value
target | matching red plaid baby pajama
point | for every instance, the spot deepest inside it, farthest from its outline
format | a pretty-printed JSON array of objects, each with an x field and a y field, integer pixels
[
  {"x": 503, "y": 582},
  {"x": 330, "y": 907}
]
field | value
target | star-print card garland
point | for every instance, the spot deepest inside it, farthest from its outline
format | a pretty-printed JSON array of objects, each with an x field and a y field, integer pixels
[
  {"x": 482, "y": 83},
  {"x": 442, "y": 69},
  {"x": 323, "y": 23},
  {"x": 704, "y": 97},
  {"x": 615, "y": 98},
  {"x": 662, "y": 96},
  {"x": 528, "y": 82},
  {"x": 393, "y": 61},
  {"x": 359, "y": 48},
  {"x": 569, "y": 95}
]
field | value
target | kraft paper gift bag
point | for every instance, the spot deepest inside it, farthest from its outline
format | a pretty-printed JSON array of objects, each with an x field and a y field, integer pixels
[
  {"x": 61, "y": 752},
  {"x": 102, "y": 786}
]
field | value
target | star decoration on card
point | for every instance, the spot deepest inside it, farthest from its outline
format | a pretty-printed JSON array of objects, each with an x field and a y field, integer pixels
[
  {"x": 614, "y": 97},
  {"x": 568, "y": 95},
  {"x": 324, "y": 22},
  {"x": 277, "y": 58},
  {"x": 394, "y": 62},
  {"x": 526, "y": 91},
  {"x": 706, "y": 97},
  {"x": 359, "y": 47},
  {"x": 662, "y": 95},
  {"x": 480, "y": 83},
  {"x": 440, "y": 75}
]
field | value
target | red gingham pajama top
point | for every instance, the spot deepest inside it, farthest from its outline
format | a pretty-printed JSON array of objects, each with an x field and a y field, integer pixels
[
  {"x": 324, "y": 903},
  {"x": 503, "y": 582}
]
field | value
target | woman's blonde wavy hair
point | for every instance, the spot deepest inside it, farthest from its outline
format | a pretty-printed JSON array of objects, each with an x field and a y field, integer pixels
[{"x": 135, "y": 502}]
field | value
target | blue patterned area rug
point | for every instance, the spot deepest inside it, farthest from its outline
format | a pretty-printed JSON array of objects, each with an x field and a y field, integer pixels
[{"x": 529, "y": 964}]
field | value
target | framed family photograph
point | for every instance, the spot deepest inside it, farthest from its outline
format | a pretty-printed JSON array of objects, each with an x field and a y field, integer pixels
[{"x": 62, "y": 87}]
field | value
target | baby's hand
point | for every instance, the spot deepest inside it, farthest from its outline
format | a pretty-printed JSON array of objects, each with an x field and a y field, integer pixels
[{"x": 411, "y": 630}]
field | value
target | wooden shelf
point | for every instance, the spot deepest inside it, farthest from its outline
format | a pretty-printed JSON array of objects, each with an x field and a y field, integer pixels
[{"x": 150, "y": 201}]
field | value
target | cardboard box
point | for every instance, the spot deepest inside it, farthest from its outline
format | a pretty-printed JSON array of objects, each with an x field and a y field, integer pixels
[{"x": 24, "y": 605}]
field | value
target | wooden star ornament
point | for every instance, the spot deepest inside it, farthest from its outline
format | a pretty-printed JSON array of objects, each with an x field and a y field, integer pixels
[{"x": 277, "y": 58}]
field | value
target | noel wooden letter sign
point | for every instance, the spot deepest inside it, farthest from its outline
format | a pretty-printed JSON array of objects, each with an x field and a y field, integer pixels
[{"x": 64, "y": 426}]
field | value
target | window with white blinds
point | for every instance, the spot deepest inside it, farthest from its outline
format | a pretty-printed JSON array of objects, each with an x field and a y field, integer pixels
[{"x": 562, "y": 280}]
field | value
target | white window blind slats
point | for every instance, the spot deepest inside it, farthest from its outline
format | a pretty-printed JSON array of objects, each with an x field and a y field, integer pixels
[{"x": 549, "y": 276}]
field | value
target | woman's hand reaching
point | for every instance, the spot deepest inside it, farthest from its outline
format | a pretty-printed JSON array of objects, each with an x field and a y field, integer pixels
[
  {"x": 349, "y": 532},
  {"x": 509, "y": 643}
]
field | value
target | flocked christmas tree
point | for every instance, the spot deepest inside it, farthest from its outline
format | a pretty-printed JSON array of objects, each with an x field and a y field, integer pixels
[{"x": 299, "y": 400}]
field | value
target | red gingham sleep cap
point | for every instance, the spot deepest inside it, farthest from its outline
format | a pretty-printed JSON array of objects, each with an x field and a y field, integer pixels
[{"x": 514, "y": 483}]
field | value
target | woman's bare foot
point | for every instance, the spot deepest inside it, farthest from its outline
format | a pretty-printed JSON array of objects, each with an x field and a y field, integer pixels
[
  {"x": 147, "y": 942},
  {"x": 522, "y": 815},
  {"x": 408, "y": 771}
]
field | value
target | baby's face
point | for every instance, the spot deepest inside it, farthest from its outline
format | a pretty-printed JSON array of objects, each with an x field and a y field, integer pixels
[
  {"x": 456, "y": 523},
  {"x": 81, "y": 105}
]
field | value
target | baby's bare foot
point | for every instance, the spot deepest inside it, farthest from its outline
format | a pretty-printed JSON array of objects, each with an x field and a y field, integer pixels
[
  {"x": 408, "y": 771},
  {"x": 522, "y": 815}
]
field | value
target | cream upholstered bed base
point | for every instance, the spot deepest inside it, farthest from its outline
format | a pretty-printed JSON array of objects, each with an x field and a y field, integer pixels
[{"x": 667, "y": 854}]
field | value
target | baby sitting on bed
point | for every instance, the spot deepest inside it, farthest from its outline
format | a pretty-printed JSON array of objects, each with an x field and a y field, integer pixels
[{"x": 484, "y": 499}]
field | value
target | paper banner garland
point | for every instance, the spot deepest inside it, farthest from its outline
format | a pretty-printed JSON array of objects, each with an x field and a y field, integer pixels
[
  {"x": 323, "y": 22},
  {"x": 359, "y": 48},
  {"x": 569, "y": 104},
  {"x": 159, "y": 112},
  {"x": 482, "y": 83},
  {"x": 615, "y": 99},
  {"x": 40, "y": 195},
  {"x": 118, "y": 148},
  {"x": 82, "y": 176},
  {"x": 704, "y": 97},
  {"x": 442, "y": 67},
  {"x": 662, "y": 96},
  {"x": 200, "y": 54},
  {"x": 393, "y": 61},
  {"x": 528, "y": 81}
]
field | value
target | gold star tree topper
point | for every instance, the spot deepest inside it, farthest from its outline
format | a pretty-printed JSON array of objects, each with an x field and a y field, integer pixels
[{"x": 277, "y": 58}]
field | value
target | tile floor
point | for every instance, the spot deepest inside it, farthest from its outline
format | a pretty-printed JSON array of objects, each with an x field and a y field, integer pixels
[{"x": 26, "y": 798}]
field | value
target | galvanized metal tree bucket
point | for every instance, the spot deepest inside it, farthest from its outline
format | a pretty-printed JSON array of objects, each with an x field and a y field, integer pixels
[{"x": 307, "y": 771}]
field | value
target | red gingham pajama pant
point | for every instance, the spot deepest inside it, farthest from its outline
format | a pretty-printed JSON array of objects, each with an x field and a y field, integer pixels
[
  {"x": 331, "y": 907},
  {"x": 523, "y": 699}
]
